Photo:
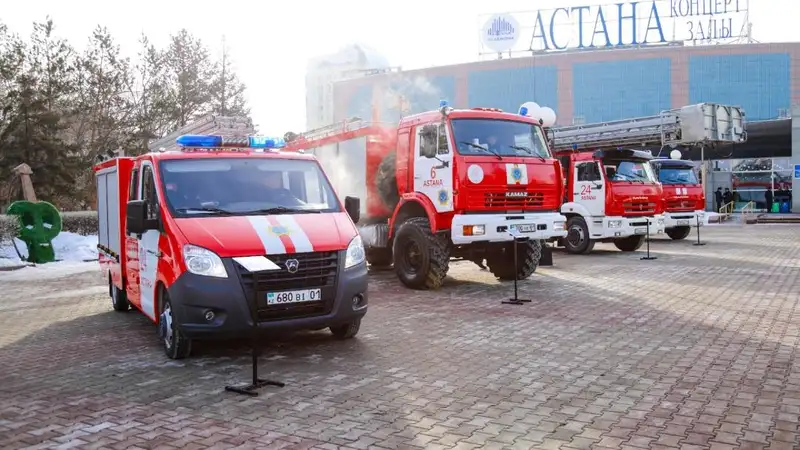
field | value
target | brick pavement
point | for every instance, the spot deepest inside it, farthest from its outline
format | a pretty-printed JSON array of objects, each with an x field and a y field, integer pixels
[{"x": 694, "y": 350}]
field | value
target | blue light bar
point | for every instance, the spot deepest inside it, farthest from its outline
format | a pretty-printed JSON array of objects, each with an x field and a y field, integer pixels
[
  {"x": 205, "y": 141},
  {"x": 442, "y": 103},
  {"x": 523, "y": 110}
]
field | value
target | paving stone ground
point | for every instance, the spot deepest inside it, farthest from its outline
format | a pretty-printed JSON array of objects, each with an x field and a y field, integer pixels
[{"x": 697, "y": 349}]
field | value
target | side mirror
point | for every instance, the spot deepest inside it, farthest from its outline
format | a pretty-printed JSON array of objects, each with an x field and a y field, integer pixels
[
  {"x": 136, "y": 215},
  {"x": 353, "y": 207}
]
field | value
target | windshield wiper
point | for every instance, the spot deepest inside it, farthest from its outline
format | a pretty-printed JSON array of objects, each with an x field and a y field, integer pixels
[
  {"x": 281, "y": 210},
  {"x": 208, "y": 209},
  {"x": 480, "y": 147},
  {"x": 528, "y": 151}
]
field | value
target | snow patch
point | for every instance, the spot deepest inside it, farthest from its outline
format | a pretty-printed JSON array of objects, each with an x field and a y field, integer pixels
[{"x": 70, "y": 248}]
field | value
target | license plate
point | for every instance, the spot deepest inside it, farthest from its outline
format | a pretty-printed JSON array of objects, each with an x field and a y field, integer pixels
[
  {"x": 525, "y": 227},
  {"x": 284, "y": 297},
  {"x": 640, "y": 230},
  {"x": 683, "y": 222}
]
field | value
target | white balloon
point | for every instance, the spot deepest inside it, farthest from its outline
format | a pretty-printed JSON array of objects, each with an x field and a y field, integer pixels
[
  {"x": 675, "y": 154},
  {"x": 532, "y": 108},
  {"x": 548, "y": 116}
]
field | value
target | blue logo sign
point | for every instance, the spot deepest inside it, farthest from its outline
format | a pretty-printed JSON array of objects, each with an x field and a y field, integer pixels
[
  {"x": 443, "y": 197},
  {"x": 797, "y": 171},
  {"x": 516, "y": 174},
  {"x": 501, "y": 28}
]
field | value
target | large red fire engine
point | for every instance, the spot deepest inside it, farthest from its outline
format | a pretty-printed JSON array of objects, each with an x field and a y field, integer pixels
[
  {"x": 611, "y": 188},
  {"x": 446, "y": 183},
  {"x": 205, "y": 238}
]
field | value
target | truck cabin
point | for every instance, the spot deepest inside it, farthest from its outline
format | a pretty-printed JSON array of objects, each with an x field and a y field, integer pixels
[
  {"x": 675, "y": 171},
  {"x": 619, "y": 166},
  {"x": 481, "y": 132}
]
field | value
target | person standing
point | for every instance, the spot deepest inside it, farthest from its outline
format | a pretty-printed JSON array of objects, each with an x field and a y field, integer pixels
[
  {"x": 718, "y": 199},
  {"x": 727, "y": 197},
  {"x": 769, "y": 197}
]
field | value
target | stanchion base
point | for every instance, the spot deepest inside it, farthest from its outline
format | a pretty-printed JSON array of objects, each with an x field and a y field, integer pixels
[
  {"x": 515, "y": 301},
  {"x": 648, "y": 258},
  {"x": 250, "y": 389},
  {"x": 699, "y": 243}
]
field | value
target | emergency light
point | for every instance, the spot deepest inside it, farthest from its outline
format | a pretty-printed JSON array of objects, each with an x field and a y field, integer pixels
[{"x": 206, "y": 141}]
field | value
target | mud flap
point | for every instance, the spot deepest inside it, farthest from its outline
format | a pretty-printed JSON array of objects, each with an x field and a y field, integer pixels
[{"x": 547, "y": 255}]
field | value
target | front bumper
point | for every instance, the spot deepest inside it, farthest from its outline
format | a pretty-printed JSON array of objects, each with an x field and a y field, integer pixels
[
  {"x": 496, "y": 227},
  {"x": 684, "y": 219},
  {"x": 193, "y": 295},
  {"x": 619, "y": 227}
]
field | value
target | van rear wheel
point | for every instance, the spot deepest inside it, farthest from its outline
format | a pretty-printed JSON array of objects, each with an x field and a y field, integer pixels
[{"x": 119, "y": 299}]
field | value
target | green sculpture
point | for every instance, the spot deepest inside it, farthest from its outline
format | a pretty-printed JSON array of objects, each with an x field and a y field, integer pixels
[{"x": 39, "y": 223}]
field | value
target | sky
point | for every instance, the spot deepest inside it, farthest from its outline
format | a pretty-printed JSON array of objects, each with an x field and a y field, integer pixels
[{"x": 271, "y": 42}]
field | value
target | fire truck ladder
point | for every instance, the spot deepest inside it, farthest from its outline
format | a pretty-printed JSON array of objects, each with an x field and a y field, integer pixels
[
  {"x": 341, "y": 131},
  {"x": 700, "y": 124},
  {"x": 231, "y": 126}
]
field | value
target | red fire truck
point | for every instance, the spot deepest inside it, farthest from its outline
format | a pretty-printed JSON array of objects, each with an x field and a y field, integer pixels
[
  {"x": 609, "y": 201},
  {"x": 206, "y": 238},
  {"x": 445, "y": 184}
]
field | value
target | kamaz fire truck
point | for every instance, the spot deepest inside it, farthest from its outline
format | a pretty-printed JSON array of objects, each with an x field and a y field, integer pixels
[
  {"x": 445, "y": 184},
  {"x": 612, "y": 192}
]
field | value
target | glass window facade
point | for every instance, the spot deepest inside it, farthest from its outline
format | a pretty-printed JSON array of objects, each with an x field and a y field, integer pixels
[{"x": 767, "y": 182}]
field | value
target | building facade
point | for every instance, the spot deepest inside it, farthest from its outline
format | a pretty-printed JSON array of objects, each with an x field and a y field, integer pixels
[{"x": 603, "y": 85}]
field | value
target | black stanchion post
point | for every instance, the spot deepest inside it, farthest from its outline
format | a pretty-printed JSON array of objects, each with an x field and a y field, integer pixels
[
  {"x": 647, "y": 239},
  {"x": 698, "y": 232},
  {"x": 255, "y": 349},
  {"x": 516, "y": 300}
]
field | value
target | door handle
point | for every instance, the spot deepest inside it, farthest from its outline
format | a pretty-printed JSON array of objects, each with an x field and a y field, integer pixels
[{"x": 156, "y": 254}]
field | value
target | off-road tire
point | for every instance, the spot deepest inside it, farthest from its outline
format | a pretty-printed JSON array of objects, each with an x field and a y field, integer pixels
[
  {"x": 346, "y": 331},
  {"x": 386, "y": 182},
  {"x": 678, "y": 233},
  {"x": 501, "y": 261},
  {"x": 578, "y": 225},
  {"x": 379, "y": 257},
  {"x": 434, "y": 253},
  {"x": 119, "y": 298},
  {"x": 630, "y": 243},
  {"x": 180, "y": 347}
]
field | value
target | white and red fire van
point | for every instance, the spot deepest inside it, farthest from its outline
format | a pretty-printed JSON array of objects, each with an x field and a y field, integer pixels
[{"x": 203, "y": 239}]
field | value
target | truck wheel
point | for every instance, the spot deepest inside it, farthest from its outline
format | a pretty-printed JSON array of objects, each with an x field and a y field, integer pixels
[
  {"x": 346, "y": 331},
  {"x": 630, "y": 243},
  {"x": 578, "y": 240},
  {"x": 501, "y": 263},
  {"x": 421, "y": 257},
  {"x": 379, "y": 257},
  {"x": 386, "y": 182},
  {"x": 176, "y": 345},
  {"x": 119, "y": 299},
  {"x": 678, "y": 233}
]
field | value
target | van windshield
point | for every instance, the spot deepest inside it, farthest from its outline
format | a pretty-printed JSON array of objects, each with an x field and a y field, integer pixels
[
  {"x": 240, "y": 186},
  {"x": 627, "y": 170}
]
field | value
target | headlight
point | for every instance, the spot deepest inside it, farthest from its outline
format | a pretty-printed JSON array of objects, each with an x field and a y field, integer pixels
[
  {"x": 355, "y": 253},
  {"x": 474, "y": 230},
  {"x": 559, "y": 226},
  {"x": 200, "y": 261},
  {"x": 614, "y": 224},
  {"x": 701, "y": 215}
]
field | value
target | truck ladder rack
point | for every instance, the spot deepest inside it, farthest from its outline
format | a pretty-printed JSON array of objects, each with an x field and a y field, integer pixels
[
  {"x": 341, "y": 131},
  {"x": 703, "y": 123}
]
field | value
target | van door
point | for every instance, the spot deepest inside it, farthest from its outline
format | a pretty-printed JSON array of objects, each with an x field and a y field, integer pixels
[
  {"x": 131, "y": 254},
  {"x": 149, "y": 253}
]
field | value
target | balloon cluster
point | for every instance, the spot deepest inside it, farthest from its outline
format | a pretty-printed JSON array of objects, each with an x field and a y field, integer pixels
[{"x": 543, "y": 113}]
